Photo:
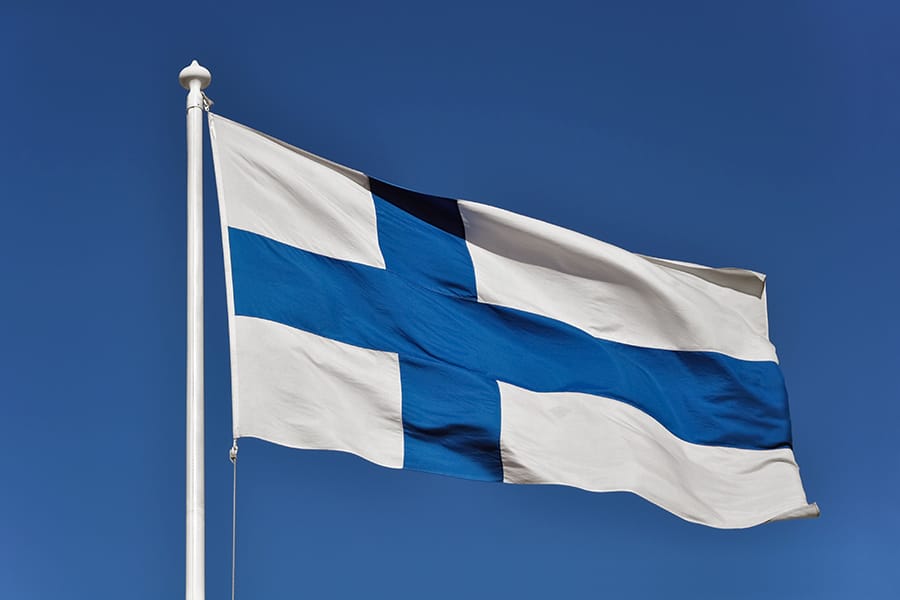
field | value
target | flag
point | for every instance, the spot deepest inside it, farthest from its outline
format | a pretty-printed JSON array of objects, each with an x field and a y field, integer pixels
[{"x": 453, "y": 337}]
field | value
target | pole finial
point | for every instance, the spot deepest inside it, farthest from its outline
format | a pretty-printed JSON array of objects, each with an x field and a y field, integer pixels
[{"x": 194, "y": 71}]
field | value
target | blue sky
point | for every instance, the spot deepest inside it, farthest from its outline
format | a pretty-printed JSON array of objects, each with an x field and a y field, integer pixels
[{"x": 765, "y": 136}]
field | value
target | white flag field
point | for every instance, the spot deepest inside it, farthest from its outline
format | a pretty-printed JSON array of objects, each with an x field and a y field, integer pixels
[{"x": 453, "y": 337}]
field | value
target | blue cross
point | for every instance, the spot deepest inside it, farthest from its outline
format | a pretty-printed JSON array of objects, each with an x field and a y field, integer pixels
[{"x": 453, "y": 349}]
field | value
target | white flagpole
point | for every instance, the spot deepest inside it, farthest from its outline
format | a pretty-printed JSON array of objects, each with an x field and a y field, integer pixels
[{"x": 195, "y": 78}]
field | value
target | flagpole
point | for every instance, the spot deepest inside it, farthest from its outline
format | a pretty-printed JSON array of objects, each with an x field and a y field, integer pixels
[{"x": 195, "y": 78}]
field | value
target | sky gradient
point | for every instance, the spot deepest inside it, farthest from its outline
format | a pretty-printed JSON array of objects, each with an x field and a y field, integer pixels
[{"x": 763, "y": 136}]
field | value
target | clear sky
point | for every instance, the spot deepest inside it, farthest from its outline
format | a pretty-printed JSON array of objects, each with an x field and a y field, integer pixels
[{"x": 763, "y": 135}]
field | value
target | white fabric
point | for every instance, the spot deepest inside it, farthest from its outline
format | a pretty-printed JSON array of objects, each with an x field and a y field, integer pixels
[
  {"x": 291, "y": 196},
  {"x": 602, "y": 445},
  {"x": 305, "y": 391},
  {"x": 614, "y": 294}
]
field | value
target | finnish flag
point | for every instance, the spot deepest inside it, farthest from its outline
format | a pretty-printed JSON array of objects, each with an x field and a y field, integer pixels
[{"x": 452, "y": 337}]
